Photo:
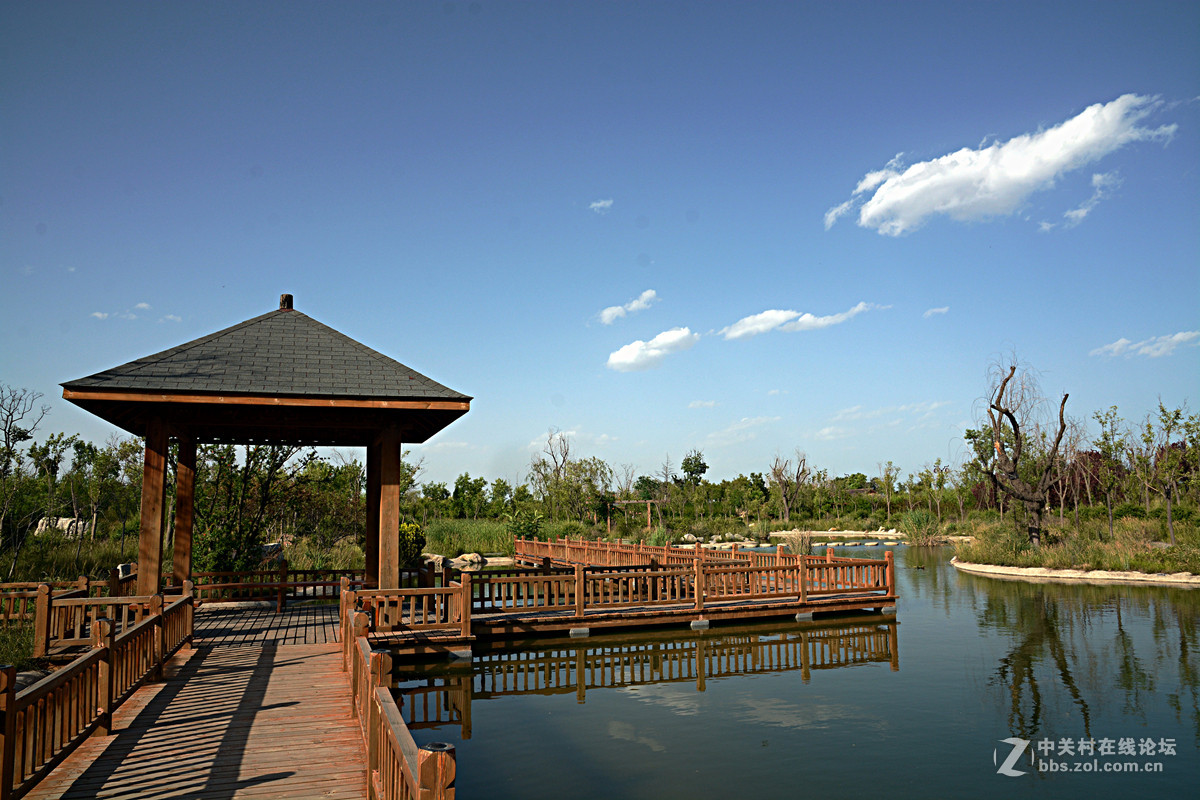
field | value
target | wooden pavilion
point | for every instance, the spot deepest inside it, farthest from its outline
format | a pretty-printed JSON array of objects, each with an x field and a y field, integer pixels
[{"x": 280, "y": 378}]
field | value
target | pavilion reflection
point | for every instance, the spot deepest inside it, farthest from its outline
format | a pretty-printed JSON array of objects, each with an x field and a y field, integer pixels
[{"x": 437, "y": 695}]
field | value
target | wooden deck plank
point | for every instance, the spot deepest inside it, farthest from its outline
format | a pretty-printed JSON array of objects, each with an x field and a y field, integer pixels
[{"x": 229, "y": 721}]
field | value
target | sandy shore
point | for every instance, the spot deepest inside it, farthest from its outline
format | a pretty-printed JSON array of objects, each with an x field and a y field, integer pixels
[{"x": 1042, "y": 574}]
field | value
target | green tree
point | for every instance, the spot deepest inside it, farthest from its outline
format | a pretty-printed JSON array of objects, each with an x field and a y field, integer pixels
[{"x": 1111, "y": 446}]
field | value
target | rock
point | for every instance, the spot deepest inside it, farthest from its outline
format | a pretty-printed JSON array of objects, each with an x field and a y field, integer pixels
[
  {"x": 689, "y": 538},
  {"x": 435, "y": 561},
  {"x": 472, "y": 558}
]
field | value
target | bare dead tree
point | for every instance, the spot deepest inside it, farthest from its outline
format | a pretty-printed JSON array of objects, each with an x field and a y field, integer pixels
[
  {"x": 1011, "y": 405},
  {"x": 789, "y": 478}
]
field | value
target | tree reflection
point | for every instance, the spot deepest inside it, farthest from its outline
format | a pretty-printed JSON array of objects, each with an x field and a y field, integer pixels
[{"x": 1086, "y": 645}]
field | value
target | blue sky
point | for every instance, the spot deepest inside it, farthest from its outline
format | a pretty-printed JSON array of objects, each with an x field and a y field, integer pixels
[{"x": 740, "y": 227}]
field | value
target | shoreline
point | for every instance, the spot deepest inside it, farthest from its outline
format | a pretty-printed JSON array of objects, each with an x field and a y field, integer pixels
[{"x": 1100, "y": 576}]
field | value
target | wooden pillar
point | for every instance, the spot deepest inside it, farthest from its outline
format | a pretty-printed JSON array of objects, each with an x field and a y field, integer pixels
[
  {"x": 371, "y": 542},
  {"x": 154, "y": 488},
  {"x": 389, "y": 509},
  {"x": 185, "y": 494}
]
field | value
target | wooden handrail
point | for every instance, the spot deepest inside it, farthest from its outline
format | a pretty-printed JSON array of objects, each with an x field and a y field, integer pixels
[
  {"x": 397, "y": 769},
  {"x": 42, "y": 724}
]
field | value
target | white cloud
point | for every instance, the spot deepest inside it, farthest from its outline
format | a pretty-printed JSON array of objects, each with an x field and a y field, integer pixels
[
  {"x": 702, "y": 404},
  {"x": 789, "y": 321},
  {"x": 831, "y": 433},
  {"x": 601, "y": 206},
  {"x": 995, "y": 180},
  {"x": 100, "y": 315},
  {"x": 1102, "y": 183},
  {"x": 932, "y": 311},
  {"x": 611, "y": 314},
  {"x": 740, "y": 431},
  {"x": 644, "y": 355},
  {"x": 774, "y": 392},
  {"x": 171, "y": 318},
  {"x": 1154, "y": 347},
  {"x": 142, "y": 306}
]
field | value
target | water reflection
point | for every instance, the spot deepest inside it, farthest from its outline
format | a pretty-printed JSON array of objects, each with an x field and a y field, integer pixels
[
  {"x": 1088, "y": 648},
  {"x": 440, "y": 694}
]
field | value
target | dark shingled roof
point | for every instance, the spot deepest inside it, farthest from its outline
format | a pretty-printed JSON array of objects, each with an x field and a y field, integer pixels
[
  {"x": 281, "y": 353},
  {"x": 278, "y": 378}
]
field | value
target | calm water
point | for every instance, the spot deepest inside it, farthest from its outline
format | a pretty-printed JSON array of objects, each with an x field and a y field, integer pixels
[{"x": 838, "y": 708}]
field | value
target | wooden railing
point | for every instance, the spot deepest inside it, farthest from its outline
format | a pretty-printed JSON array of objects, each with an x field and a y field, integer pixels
[
  {"x": 42, "y": 724},
  {"x": 278, "y": 585},
  {"x": 397, "y": 769},
  {"x": 64, "y": 620},
  {"x": 583, "y": 589}
]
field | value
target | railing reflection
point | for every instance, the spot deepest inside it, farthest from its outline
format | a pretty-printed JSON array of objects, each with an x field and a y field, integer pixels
[{"x": 433, "y": 696}]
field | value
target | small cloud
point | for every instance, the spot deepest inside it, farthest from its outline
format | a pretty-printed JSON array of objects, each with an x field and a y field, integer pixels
[
  {"x": 1102, "y": 184},
  {"x": 142, "y": 307},
  {"x": 611, "y": 314},
  {"x": 740, "y": 431},
  {"x": 1154, "y": 347},
  {"x": 774, "y": 392},
  {"x": 996, "y": 180},
  {"x": 171, "y": 318},
  {"x": 832, "y": 433},
  {"x": 935, "y": 311},
  {"x": 70, "y": 269},
  {"x": 790, "y": 321},
  {"x": 601, "y": 206},
  {"x": 644, "y": 355},
  {"x": 702, "y": 404},
  {"x": 99, "y": 315}
]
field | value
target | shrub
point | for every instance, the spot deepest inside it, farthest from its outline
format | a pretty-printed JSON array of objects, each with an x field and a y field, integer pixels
[
  {"x": 412, "y": 543},
  {"x": 524, "y": 523},
  {"x": 920, "y": 527}
]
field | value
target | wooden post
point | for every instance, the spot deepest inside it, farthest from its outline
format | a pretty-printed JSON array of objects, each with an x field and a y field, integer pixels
[
  {"x": 579, "y": 604},
  {"x": 114, "y": 582},
  {"x": 802, "y": 572},
  {"x": 185, "y": 493},
  {"x": 43, "y": 609},
  {"x": 435, "y": 771},
  {"x": 377, "y": 678},
  {"x": 891, "y": 572},
  {"x": 389, "y": 509},
  {"x": 102, "y": 636},
  {"x": 8, "y": 726},
  {"x": 829, "y": 554},
  {"x": 698, "y": 579},
  {"x": 371, "y": 543},
  {"x": 281, "y": 596},
  {"x": 648, "y": 515},
  {"x": 189, "y": 590},
  {"x": 154, "y": 486},
  {"x": 160, "y": 635},
  {"x": 465, "y": 604},
  {"x": 779, "y": 555}
]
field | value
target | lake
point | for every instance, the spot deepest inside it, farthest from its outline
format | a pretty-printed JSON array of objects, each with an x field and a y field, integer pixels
[{"x": 915, "y": 705}]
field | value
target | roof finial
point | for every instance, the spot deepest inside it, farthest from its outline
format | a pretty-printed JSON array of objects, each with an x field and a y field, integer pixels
[{"x": 285, "y": 302}]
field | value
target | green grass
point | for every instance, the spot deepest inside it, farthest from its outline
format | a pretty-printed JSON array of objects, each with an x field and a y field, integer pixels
[
  {"x": 1089, "y": 548},
  {"x": 16, "y": 646},
  {"x": 453, "y": 537},
  {"x": 55, "y": 557}
]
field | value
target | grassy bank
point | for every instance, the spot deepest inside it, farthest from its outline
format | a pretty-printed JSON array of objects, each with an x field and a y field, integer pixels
[{"x": 1133, "y": 547}]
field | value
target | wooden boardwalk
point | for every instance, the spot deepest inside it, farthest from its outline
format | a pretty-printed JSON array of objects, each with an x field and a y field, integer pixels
[
  {"x": 259, "y": 710},
  {"x": 256, "y": 626}
]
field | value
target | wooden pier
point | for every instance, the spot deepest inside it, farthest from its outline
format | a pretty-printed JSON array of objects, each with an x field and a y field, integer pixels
[{"x": 293, "y": 699}]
